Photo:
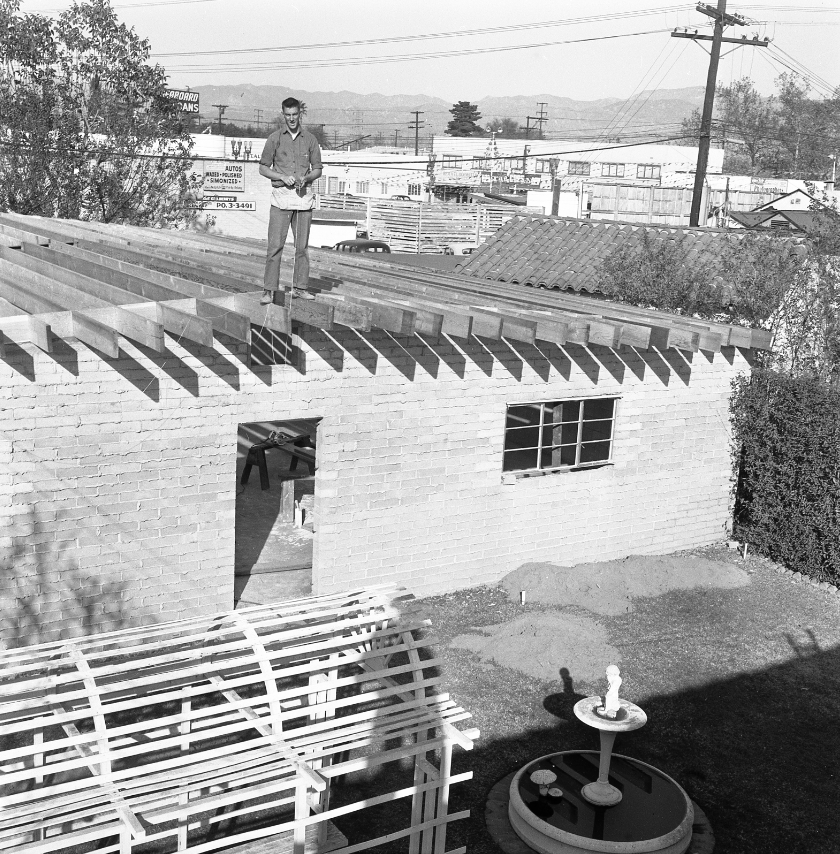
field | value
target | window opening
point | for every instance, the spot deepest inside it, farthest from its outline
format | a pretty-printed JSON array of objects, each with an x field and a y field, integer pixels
[
  {"x": 559, "y": 434},
  {"x": 579, "y": 167},
  {"x": 649, "y": 172}
]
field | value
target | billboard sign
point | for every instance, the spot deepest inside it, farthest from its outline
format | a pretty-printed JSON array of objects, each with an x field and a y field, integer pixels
[{"x": 187, "y": 100}]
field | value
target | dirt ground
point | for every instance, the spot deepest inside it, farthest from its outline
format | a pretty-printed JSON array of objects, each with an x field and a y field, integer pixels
[{"x": 735, "y": 665}]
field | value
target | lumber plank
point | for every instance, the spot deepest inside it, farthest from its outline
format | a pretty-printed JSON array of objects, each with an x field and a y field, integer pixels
[
  {"x": 27, "y": 329},
  {"x": 25, "y": 271},
  {"x": 346, "y": 313}
]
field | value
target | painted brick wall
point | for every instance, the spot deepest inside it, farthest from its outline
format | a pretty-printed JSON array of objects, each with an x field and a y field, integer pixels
[{"x": 117, "y": 477}]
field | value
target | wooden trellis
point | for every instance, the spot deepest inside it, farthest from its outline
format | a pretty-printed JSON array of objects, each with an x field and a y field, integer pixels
[{"x": 201, "y": 734}]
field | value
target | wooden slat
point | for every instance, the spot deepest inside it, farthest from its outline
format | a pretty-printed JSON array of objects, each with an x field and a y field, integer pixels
[{"x": 171, "y": 761}]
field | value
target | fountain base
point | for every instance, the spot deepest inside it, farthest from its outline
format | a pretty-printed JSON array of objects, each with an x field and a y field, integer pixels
[{"x": 653, "y": 813}]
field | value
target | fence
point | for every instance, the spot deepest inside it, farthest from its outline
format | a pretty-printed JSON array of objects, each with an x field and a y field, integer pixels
[
  {"x": 423, "y": 228},
  {"x": 664, "y": 205}
]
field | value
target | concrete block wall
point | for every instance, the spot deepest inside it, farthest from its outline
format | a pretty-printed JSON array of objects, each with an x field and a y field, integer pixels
[{"x": 118, "y": 477}]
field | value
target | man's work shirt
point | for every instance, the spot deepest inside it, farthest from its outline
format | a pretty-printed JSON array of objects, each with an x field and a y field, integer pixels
[{"x": 293, "y": 156}]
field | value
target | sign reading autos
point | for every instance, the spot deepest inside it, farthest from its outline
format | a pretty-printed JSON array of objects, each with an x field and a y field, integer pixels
[
  {"x": 227, "y": 176},
  {"x": 187, "y": 101}
]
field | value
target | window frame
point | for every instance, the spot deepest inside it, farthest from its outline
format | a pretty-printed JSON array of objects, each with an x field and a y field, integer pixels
[
  {"x": 577, "y": 167},
  {"x": 545, "y": 406},
  {"x": 612, "y": 170},
  {"x": 655, "y": 169}
]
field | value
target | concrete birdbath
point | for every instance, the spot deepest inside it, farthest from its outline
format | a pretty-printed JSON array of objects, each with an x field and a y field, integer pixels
[{"x": 583, "y": 800}]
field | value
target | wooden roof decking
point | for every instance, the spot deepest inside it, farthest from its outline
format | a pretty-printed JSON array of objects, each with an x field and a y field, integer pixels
[{"x": 100, "y": 283}]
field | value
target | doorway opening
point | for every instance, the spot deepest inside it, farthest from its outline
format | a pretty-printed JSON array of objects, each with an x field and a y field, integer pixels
[{"x": 276, "y": 518}]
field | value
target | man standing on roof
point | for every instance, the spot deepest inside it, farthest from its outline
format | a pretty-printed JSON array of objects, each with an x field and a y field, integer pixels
[{"x": 292, "y": 160}]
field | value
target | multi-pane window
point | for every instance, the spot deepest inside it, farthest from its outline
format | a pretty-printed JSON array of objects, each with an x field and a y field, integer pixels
[
  {"x": 332, "y": 186},
  {"x": 415, "y": 189},
  {"x": 648, "y": 171},
  {"x": 612, "y": 170},
  {"x": 450, "y": 161},
  {"x": 579, "y": 167},
  {"x": 560, "y": 433},
  {"x": 362, "y": 187},
  {"x": 320, "y": 186}
]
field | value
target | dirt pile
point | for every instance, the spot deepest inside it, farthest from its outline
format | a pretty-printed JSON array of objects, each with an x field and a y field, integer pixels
[
  {"x": 609, "y": 588},
  {"x": 539, "y": 644}
]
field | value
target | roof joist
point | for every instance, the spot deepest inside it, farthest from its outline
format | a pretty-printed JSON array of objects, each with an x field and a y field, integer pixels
[{"x": 100, "y": 283}]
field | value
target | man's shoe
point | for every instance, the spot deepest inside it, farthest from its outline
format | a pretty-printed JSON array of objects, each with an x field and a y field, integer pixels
[
  {"x": 267, "y": 298},
  {"x": 297, "y": 293}
]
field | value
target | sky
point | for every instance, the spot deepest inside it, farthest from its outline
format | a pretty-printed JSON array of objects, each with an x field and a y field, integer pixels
[{"x": 516, "y": 51}]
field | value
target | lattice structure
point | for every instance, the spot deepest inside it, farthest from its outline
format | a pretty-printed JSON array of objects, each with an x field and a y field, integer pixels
[{"x": 198, "y": 735}]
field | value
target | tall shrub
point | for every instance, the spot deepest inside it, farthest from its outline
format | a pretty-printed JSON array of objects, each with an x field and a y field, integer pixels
[{"x": 787, "y": 435}]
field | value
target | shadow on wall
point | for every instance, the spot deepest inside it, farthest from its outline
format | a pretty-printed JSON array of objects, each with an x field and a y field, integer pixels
[{"x": 45, "y": 596}]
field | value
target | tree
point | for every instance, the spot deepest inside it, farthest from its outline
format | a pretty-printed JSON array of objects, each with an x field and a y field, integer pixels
[
  {"x": 745, "y": 123},
  {"x": 506, "y": 128},
  {"x": 809, "y": 129},
  {"x": 464, "y": 120},
  {"x": 87, "y": 129}
]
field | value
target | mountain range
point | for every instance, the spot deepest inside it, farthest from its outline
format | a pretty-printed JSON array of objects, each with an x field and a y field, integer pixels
[{"x": 386, "y": 118}]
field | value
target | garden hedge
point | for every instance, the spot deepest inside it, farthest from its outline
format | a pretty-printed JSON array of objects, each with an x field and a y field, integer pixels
[{"x": 787, "y": 458}]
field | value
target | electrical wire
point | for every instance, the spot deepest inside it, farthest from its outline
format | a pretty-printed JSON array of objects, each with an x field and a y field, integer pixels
[
  {"x": 376, "y": 60},
  {"x": 446, "y": 34},
  {"x": 639, "y": 86},
  {"x": 652, "y": 91}
]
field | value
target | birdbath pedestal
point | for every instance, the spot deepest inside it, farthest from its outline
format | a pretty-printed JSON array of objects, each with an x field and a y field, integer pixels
[{"x": 627, "y": 717}]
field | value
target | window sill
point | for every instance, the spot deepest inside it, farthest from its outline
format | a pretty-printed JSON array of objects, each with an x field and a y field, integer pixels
[{"x": 511, "y": 477}]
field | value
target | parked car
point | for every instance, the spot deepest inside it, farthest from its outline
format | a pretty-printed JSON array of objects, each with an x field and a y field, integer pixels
[
  {"x": 402, "y": 198},
  {"x": 459, "y": 249},
  {"x": 362, "y": 245}
]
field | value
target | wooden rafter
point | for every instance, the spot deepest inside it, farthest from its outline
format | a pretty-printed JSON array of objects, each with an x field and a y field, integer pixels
[{"x": 100, "y": 283}]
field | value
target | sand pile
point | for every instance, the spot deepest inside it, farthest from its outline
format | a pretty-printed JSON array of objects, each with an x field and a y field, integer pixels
[
  {"x": 609, "y": 588},
  {"x": 540, "y": 643}
]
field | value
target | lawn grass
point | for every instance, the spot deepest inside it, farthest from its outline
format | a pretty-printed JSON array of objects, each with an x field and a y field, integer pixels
[{"x": 741, "y": 689}]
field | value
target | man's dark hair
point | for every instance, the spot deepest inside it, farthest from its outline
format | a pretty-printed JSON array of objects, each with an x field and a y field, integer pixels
[{"x": 289, "y": 103}]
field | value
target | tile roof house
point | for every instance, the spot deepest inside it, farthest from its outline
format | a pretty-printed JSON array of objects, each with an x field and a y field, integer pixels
[{"x": 562, "y": 253}]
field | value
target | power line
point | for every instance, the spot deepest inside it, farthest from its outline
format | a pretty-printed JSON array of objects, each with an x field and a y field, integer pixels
[
  {"x": 375, "y": 60},
  {"x": 650, "y": 94},
  {"x": 633, "y": 95},
  {"x": 431, "y": 36}
]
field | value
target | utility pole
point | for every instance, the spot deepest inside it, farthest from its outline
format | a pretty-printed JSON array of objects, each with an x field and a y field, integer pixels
[
  {"x": 415, "y": 126},
  {"x": 396, "y": 138},
  {"x": 221, "y": 108},
  {"x": 542, "y": 116},
  {"x": 258, "y": 117},
  {"x": 722, "y": 19}
]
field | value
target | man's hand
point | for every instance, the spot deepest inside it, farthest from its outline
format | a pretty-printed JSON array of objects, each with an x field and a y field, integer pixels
[{"x": 283, "y": 181}]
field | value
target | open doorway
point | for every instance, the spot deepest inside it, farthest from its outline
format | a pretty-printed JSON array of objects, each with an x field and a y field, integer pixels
[{"x": 276, "y": 518}]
